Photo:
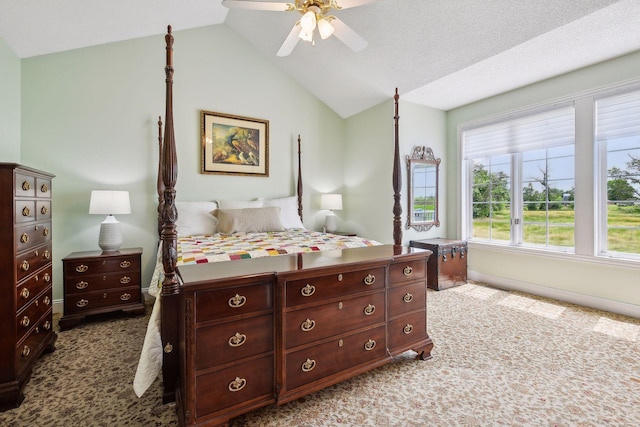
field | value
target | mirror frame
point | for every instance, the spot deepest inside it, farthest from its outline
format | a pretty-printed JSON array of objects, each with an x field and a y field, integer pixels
[{"x": 421, "y": 156}]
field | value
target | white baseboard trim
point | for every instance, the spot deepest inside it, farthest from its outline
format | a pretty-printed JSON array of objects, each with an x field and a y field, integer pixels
[{"x": 612, "y": 306}]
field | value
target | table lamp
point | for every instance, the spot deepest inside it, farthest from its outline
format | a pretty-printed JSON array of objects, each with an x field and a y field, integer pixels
[
  {"x": 331, "y": 202},
  {"x": 110, "y": 203}
]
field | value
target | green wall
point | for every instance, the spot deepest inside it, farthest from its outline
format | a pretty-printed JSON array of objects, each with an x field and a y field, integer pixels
[{"x": 9, "y": 105}]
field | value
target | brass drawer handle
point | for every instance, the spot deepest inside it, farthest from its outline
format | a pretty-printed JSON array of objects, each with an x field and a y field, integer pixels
[
  {"x": 25, "y": 265},
  {"x": 46, "y": 277},
  {"x": 25, "y": 322},
  {"x": 46, "y": 300},
  {"x": 237, "y": 301},
  {"x": 25, "y": 293},
  {"x": 125, "y": 297},
  {"x": 82, "y": 268},
  {"x": 168, "y": 348},
  {"x": 408, "y": 271},
  {"x": 308, "y": 325},
  {"x": 308, "y": 290},
  {"x": 26, "y": 351},
  {"x": 237, "y": 340},
  {"x": 125, "y": 280},
  {"x": 82, "y": 303},
  {"x": 125, "y": 264},
  {"x": 82, "y": 285},
  {"x": 308, "y": 365},
  {"x": 369, "y": 280},
  {"x": 444, "y": 258},
  {"x": 26, "y": 211},
  {"x": 45, "y": 232},
  {"x": 340, "y": 278},
  {"x": 408, "y": 297},
  {"x": 370, "y": 345},
  {"x": 408, "y": 328},
  {"x": 47, "y": 254},
  {"x": 26, "y": 186},
  {"x": 237, "y": 384},
  {"x": 46, "y": 325},
  {"x": 44, "y": 188},
  {"x": 44, "y": 210},
  {"x": 369, "y": 309},
  {"x": 24, "y": 238}
]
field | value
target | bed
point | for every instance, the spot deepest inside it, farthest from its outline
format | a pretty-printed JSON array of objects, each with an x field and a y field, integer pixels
[{"x": 250, "y": 315}]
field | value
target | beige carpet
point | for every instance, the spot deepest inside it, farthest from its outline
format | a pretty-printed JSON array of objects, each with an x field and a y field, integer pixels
[{"x": 500, "y": 359}]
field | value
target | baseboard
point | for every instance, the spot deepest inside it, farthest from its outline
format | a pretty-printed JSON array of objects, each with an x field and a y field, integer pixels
[
  {"x": 612, "y": 306},
  {"x": 58, "y": 304}
]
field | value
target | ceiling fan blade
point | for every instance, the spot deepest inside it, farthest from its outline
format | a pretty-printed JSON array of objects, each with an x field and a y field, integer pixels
[
  {"x": 257, "y": 5},
  {"x": 347, "y": 36},
  {"x": 346, "y": 4},
  {"x": 291, "y": 41}
]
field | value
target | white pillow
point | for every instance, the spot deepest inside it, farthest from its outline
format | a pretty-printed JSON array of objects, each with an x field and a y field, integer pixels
[
  {"x": 248, "y": 220},
  {"x": 288, "y": 211},
  {"x": 196, "y": 218},
  {"x": 239, "y": 204}
]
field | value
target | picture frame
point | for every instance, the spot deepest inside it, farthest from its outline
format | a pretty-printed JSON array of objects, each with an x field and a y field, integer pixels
[{"x": 234, "y": 145}]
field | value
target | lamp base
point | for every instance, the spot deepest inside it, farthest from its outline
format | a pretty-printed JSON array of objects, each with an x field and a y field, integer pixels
[
  {"x": 330, "y": 222},
  {"x": 110, "y": 238}
]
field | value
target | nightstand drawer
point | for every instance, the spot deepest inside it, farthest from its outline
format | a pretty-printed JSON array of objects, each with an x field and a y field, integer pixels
[
  {"x": 94, "y": 300},
  {"x": 87, "y": 267},
  {"x": 74, "y": 285}
]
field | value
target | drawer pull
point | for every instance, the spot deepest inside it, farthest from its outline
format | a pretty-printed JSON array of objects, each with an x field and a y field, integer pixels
[
  {"x": 46, "y": 277},
  {"x": 308, "y": 290},
  {"x": 82, "y": 303},
  {"x": 340, "y": 278},
  {"x": 26, "y": 186},
  {"x": 408, "y": 328},
  {"x": 24, "y": 238},
  {"x": 26, "y": 211},
  {"x": 44, "y": 210},
  {"x": 46, "y": 325},
  {"x": 125, "y": 280},
  {"x": 237, "y": 384},
  {"x": 82, "y": 268},
  {"x": 44, "y": 188},
  {"x": 308, "y": 325},
  {"x": 45, "y": 232},
  {"x": 237, "y": 340},
  {"x": 47, "y": 254},
  {"x": 369, "y": 345},
  {"x": 125, "y": 264},
  {"x": 237, "y": 301},
  {"x": 82, "y": 285},
  {"x": 308, "y": 365},
  {"x": 369, "y": 309},
  {"x": 168, "y": 348},
  {"x": 408, "y": 271},
  {"x": 25, "y": 322},
  {"x": 25, "y": 265},
  {"x": 46, "y": 300},
  {"x": 408, "y": 297},
  {"x": 369, "y": 280},
  {"x": 26, "y": 351},
  {"x": 125, "y": 297},
  {"x": 444, "y": 258},
  {"x": 25, "y": 293}
]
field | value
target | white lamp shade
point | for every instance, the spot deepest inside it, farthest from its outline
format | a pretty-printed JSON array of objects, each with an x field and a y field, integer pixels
[
  {"x": 109, "y": 202},
  {"x": 325, "y": 28},
  {"x": 332, "y": 202}
]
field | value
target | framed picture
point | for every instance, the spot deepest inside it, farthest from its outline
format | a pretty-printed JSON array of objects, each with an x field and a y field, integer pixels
[{"x": 234, "y": 144}]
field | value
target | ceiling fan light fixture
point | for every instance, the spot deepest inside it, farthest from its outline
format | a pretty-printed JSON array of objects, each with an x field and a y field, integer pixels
[
  {"x": 308, "y": 22},
  {"x": 304, "y": 35},
  {"x": 325, "y": 28}
]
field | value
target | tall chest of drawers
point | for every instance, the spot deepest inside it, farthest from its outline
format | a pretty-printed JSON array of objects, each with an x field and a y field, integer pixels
[{"x": 25, "y": 268}]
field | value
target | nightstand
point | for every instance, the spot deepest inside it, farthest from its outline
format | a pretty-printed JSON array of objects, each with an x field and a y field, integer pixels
[
  {"x": 344, "y": 233},
  {"x": 98, "y": 282}
]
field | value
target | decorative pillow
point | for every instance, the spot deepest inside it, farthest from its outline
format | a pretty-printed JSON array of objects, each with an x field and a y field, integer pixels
[
  {"x": 239, "y": 204},
  {"x": 248, "y": 220},
  {"x": 196, "y": 218},
  {"x": 288, "y": 211}
]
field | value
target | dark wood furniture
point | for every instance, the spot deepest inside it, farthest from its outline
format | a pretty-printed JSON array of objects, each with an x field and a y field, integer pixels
[
  {"x": 447, "y": 265},
  {"x": 25, "y": 267},
  {"x": 97, "y": 282},
  {"x": 345, "y": 233},
  {"x": 274, "y": 329}
]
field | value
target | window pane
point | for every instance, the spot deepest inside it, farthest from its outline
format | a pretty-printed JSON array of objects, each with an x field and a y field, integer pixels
[{"x": 491, "y": 198}]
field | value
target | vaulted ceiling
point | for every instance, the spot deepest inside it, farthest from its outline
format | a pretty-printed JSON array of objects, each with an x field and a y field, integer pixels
[{"x": 438, "y": 53}]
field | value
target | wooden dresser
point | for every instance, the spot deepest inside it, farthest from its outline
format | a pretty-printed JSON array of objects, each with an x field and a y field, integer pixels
[
  {"x": 448, "y": 264},
  {"x": 270, "y": 330},
  {"x": 25, "y": 267},
  {"x": 97, "y": 282}
]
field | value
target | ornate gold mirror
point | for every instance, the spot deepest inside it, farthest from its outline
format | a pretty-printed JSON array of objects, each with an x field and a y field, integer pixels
[{"x": 422, "y": 177}]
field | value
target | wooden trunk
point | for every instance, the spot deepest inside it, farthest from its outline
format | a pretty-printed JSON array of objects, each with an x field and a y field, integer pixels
[{"x": 447, "y": 265}]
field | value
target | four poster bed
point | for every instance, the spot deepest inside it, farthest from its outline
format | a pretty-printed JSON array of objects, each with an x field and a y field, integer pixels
[{"x": 239, "y": 335}]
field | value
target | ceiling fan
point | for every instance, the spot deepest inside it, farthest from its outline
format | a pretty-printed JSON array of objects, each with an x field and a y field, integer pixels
[{"x": 315, "y": 15}]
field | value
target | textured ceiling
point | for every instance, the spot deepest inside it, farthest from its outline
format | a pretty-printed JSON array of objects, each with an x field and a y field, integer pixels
[{"x": 439, "y": 53}]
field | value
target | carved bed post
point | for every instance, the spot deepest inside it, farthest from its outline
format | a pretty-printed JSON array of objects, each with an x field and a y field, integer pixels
[
  {"x": 299, "y": 181},
  {"x": 397, "y": 184},
  {"x": 160, "y": 184},
  {"x": 170, "y": 285}
]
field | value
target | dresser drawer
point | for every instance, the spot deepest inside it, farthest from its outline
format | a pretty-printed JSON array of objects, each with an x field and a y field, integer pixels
[
  {"x": 318, "y": 322},
  {"x": 235, "y": 385},
  {"x": 32, "y": 235},
  {"x": 226, "y": 302},
  {"x": 343, "y": 352},
  {"x": 43, "y": 188},
  {"x": 93, "y": 300},
  {"x": 25, "y": 185},
  {"x": 317, "y": 289},
  {"x": 402, "y": 272},
  {"x": 82, "y": 284},
  {"x": 43, "y": 210},
  {"x": 32, "y": 313},
  {"x": 406, "y": 330},
  {"x": 27, "y": 349},
  {"x": 32, "y": 260},
  {"x": 25, "y": 211},
  {"x": 30, "y": 288},
  {"x": 231, "y": 341},
  {"x": 87, "y": 267},
  {"x": 407, "y": 298}
]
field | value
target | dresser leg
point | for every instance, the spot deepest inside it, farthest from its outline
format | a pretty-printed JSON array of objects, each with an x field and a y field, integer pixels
[{"x": 424, "y": 353}]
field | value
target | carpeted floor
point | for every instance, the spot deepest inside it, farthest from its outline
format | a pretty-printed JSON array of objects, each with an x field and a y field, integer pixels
[{"x": 500, "y": 359}]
